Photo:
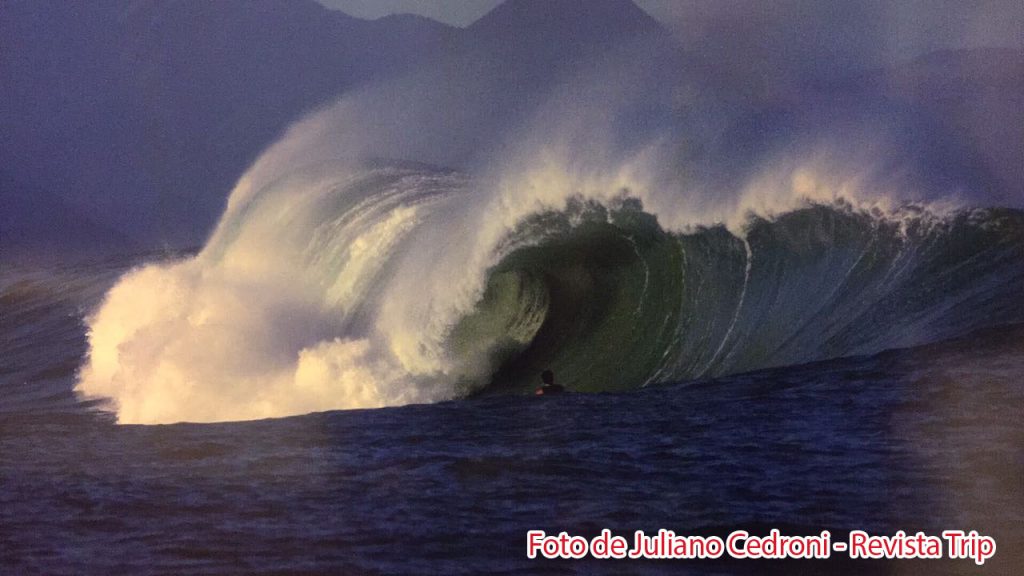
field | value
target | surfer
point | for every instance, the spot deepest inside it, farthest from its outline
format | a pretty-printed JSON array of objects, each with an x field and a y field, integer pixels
[{"x": 549, "y": 387}]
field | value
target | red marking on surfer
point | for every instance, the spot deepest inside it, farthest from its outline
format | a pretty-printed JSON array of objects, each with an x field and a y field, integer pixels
[{"x": 549, "y": 387}]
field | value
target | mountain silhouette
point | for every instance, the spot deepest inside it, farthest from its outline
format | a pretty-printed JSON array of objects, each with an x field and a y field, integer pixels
[{"x": 136, "y": 117}]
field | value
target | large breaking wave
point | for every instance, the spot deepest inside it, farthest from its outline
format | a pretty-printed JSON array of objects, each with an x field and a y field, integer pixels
[
  {"x": 397, "y": 283},
  {"x": 622, "y": 233}
]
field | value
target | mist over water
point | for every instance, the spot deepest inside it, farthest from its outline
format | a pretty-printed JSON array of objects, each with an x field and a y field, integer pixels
[{"x": 411, "y": 243}]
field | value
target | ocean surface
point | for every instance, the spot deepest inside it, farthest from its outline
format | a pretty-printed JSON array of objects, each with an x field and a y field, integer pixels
[{"x": 928, "y": 437}]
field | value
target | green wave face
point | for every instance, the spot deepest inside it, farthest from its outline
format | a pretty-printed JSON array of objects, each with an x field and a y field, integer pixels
[{"x": 610, "y": 301}]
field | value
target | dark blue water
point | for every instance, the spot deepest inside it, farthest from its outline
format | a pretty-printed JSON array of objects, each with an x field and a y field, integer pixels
[{"x": 929, "y": 438}]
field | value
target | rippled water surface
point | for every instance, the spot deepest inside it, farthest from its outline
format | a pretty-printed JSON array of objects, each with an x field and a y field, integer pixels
[{"x": 929, "y": 438}]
